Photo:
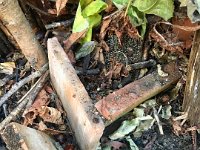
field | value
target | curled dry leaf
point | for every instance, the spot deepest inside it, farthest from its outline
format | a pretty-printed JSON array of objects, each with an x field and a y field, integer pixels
[
  {"x": 171, "y": 43},
  {"x": 183, "y": 35},
  {"x": 50, "y": 114},
  {"x": 39, "y": 108},
  {"x": 29, "y": 116},
  {"x": 60, "y": 4}
]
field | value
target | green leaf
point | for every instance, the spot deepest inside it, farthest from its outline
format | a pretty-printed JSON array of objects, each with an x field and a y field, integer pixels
[
  {"x": 120, "y": 4},
  {"x": 162, "y": 8},
  {"x": 86, "y": 49},
  {"x": 94, "y": 7},
  {"x": 87, "y": 17},
  {"x": 94, "y": 21},
  {"x": 80, "y": 23},
  {"x": 137, "y": 18},
  {"x": 126, "y": 127},
  {"x": 85, "y": 3},
  {"x": 144, "y": 5},
  {"x": 133, "y": 146}
]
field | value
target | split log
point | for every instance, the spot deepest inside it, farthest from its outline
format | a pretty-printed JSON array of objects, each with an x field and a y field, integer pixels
[
  {"x": 86, "y": 124},
  {"x": 191, "y": 101},
  {"x": 14, "y": 20},
  {"x": 17, "y": 136},
  {"x": 125, "y": 99}
]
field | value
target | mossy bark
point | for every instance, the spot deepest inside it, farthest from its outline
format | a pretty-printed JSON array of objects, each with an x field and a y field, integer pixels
[{"x": 14, "y": 20}]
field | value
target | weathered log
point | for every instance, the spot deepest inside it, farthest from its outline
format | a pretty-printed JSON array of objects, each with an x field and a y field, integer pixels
[
  {"x": 19, "y": 137},
  {"x": 191, "y": 101},
  {"x": 14, "y": 20},
  {"x": 125, "y": 99},
  {"x": 86, "y": 124}
]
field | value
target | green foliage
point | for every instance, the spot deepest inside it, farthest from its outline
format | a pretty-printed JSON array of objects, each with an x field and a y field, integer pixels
[
  {"x": 140, "y": 123},
  {"x": 139, "y": 8},
  {"x": 86, "y": 49},
  {"x": 87, "y": 17}
]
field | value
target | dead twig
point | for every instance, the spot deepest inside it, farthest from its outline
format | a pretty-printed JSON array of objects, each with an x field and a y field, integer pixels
[
  {"x": 19, "y": 84},
  {"x": 143, "y": 64},
  {"x": 65, "y": 23},
  {"x": 155, "y": 113},
  {"x": 29, "y": 96}
]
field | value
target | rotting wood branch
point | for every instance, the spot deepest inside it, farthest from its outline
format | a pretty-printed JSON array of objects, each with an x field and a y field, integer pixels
[{"x": 14, "y": 20}]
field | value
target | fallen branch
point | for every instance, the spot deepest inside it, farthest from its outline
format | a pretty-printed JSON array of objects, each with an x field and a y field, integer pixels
[
  {"x": 15, "y": 21},
  {"x": 29, "y": 96},
  {"x": 19, "y": 84}
]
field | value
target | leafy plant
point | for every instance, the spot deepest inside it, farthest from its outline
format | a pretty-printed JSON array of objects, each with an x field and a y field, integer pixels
[
  {"x": 138, "y": 9},
  {"x": 87, "y": 17}
]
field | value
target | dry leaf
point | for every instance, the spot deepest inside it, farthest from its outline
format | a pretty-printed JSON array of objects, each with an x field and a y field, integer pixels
[
  {"x": 185, "y": 36},
  {"x": 60, "y": 4},
  {"x": 50, "y": 114},
  {"x": 7, "y": 67},
  {"x": 29, "y": 116},
  {"x": 74, "y": 37},
  {"x": 171, "y": 43},
  {"x": 42, "y": 126},
  {"x": 45, "y": 129},
  {"x": 42, "y": 99},
  {"x": 104, "y": 27}
]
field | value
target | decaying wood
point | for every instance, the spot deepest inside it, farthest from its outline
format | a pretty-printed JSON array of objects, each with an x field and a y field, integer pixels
[
  {"x": 86, "y": 124},
  {"x": 14, "y": 20},
  {"x": 191, "y": 102},
  {"x": 28, "y": 97},
  {"x": 19, "y": 84},
  {"x": 19, "y": 137},
  {"x": 125, "y": 99}
]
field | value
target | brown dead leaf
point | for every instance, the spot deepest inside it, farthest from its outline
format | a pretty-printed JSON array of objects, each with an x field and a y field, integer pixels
[
  {"x": 60, "y": 4},
  {"x": 177, "y": 129},
  {"x": 48, "y": 89},
  {"x": 42, "y": 126},
  {"x": 169, "y": 41},
  {"x": 29, "y": 116},
  {"x": 45, "y": 129},
  {"x": 74, "y": 37},
  {"x": 115, "y": 70},
  {"x": 50, "y": 114},
  {"x": 104, "y": 27},
  {"x": 42, "y": 99},
  {"x": 185, "y": 36}
]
